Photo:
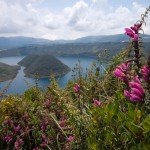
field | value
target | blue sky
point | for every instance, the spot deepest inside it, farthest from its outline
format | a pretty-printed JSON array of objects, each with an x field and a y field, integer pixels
[{"x": 69, "y": 19}]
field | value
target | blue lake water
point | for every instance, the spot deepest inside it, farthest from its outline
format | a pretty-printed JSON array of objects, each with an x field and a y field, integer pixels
[{"x": 19, "y": 84}]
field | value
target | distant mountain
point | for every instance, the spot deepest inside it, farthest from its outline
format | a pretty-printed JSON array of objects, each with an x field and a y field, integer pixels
[
  {"x": 14, "y": 42},
  {"x": 109, "y": 38},
  {"x": 8, "y": 72},
  {"x": 71, "y": 49},
  {"x": 43, "y": 66}
]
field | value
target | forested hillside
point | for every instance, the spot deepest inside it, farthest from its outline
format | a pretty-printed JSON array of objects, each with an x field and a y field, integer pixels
[
  {"x": 71, "y": 49},
  {"x": 43, "y": 66}
]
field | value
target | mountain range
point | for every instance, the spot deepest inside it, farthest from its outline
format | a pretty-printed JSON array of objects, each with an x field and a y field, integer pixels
[
  {"x": 85, "y": 46},
  {"x": 20, "y": 41}
]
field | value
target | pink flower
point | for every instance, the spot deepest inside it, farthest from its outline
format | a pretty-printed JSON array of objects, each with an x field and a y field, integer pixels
[
  {"x": 43, "y": 126},
  {"x": 135, "y": 97},
  {"x": 70, "y": 138},
  {"x": 135, "y": 38},
  {"x": 124, "y": 66},
  {"x": 6, "y": 122},
  {"x": 8, "y": 139},
  {"x": 17, "y": 128},
  {"x": 136, "y": 92},
  {"x": 118, "y": 73},
  {"x": 145, "y": 70},
  {"x": 43, "y": 144},
  {"x": 127, "y": 94},
  {"x": 136, "y": 85},
  {"x": 96, "y": 102},
  {"x": 135, "y": 29},
  {"x": 43, "y": 136},
  {"x": 136, "y": 79},
  {"x": 119, "y": 68},
  {"x": 146, "y": 73},
  {"x": 129, "y": 32},
  {"x": 76, "y": 88},
  {"x": 20, "y": 141},
  {"x": 67, "y": 147},
  {"x": 17, "y": 145}
]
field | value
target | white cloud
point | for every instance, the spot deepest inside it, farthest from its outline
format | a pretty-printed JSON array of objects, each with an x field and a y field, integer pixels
[{"x": 22, "y": 17}]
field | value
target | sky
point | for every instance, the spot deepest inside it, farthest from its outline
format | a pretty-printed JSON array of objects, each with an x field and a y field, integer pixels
[{"x": 69, "y": 19}]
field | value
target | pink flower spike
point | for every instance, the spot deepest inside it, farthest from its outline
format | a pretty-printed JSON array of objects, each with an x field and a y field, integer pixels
[
  {"x": 135, "y": 98},
  {"x": 135, "y": 29},
  {"x": 118, "y": 67},
  {"x": 118, "y": 73},
  {"x": 127, "y": 94},
  {"x": 130, "y": 34},
  {"x": 77, "y": 85},
  {"x": 70, "y": 138},
  {"x": 145, "y": 70},
  {"x": 136, "y": 79},
  {"x": 76, "y": 88},
  {"x": 124, "y": 67},
  {"x": 128, "y": 30},
  {"x": 135, "y": 38},
  {"x": 96, "y": 102},
  {"x": 136, "y": 85},
  {"x": 145, "y": 77},
  {"x": 136, "y": 92}
]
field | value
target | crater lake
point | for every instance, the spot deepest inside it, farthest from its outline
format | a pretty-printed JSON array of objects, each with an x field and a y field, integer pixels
[{"x": 22, "y": 83}]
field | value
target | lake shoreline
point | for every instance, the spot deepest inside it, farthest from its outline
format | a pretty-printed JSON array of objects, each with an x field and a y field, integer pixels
[{"x": 22, "y": 83}]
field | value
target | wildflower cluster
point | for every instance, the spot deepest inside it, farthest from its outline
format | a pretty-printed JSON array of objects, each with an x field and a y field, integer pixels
[{"x": 135, "y": 90}]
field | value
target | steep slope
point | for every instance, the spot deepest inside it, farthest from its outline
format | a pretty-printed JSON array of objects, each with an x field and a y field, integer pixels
[
  {"x": 8, "y": 72},
  {"x": 43, "y": 66}
]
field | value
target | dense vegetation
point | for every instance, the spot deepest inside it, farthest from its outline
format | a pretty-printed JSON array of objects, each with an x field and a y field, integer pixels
[
  {"x": 94, "y": 112},
  {"x": 8, "y": 72},
  {"x": 43, "y": 66},
  {"x": 70, "y": 49}
]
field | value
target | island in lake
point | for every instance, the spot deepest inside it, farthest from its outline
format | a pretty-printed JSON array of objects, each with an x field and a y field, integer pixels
[
  {"x": 8, "y": 72},
  {"x": 43, "y": 66}
]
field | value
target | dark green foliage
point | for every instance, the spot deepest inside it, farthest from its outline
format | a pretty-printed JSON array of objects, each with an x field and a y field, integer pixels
[
  {"x": 43, "y": 66},
  {"x": 8, "y": 72}
]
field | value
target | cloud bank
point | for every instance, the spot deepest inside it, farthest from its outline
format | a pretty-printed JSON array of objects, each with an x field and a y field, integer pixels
[{"x": 95, "y": 17}]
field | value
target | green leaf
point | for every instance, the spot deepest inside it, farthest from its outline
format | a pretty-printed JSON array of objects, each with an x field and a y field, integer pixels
[
  {"x": 137, "y": 116},
  {"x": 146, "y": 123},
  {"x": 131, "y": 111}
]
